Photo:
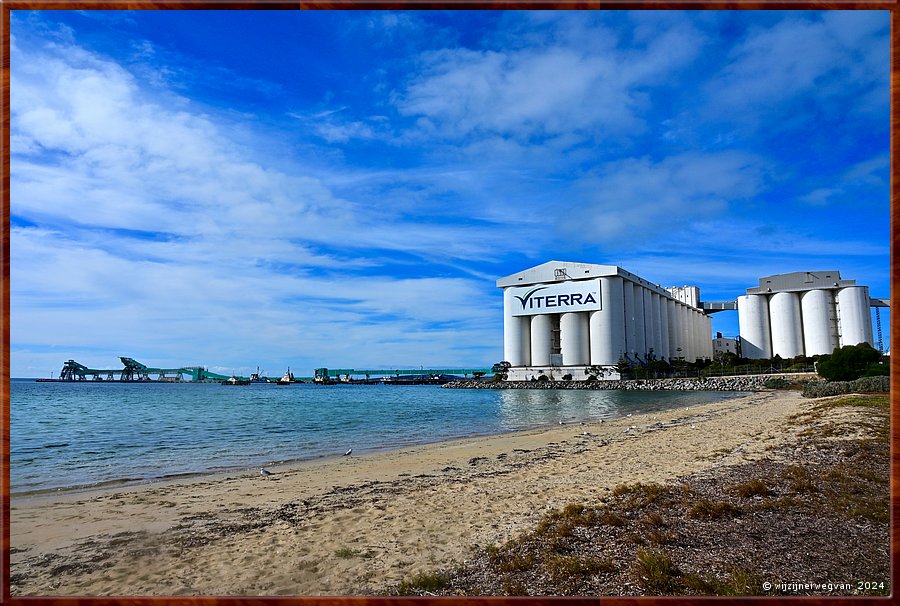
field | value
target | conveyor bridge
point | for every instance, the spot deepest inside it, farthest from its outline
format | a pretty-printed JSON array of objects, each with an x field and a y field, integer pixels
[
  {"x": 135, "y": 371},
  {"x": 330, "y": 373}
]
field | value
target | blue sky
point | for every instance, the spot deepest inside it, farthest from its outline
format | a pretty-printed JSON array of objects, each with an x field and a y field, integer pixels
[{"x": 239, "y": 189}]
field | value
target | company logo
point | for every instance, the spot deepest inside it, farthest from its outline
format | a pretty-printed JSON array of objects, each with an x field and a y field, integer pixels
[
  {"x": 524, "y": 298},
  {"x": 530, "y": 302}
]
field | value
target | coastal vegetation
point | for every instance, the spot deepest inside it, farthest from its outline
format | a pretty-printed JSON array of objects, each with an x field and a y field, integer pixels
[{"x": 749, "y": 529}]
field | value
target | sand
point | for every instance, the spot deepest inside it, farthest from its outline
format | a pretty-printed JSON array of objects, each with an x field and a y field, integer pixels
[{"x": 359, "y": 524}]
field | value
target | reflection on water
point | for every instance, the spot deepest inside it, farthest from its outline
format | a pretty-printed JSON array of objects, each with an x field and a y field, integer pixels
[{"x": 537, "y": 407}]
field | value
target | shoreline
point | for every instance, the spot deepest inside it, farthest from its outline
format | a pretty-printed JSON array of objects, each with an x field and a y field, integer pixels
[
  {"x": 395, "y": 513},
  {"x": 224, "y": 472}
]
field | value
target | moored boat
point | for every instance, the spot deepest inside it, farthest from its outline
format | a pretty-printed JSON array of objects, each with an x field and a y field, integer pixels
[{"x": 287, "y": 379}]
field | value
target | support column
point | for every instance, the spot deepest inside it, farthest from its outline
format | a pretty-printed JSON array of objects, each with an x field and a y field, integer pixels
[
  {"x": 650, "y": 321},
  {"x": 674, "y": 329},
  {"x": 573, "y": 338},
  {"x": 628, "y": 292},
  {"x": 607, "y": 326},
  {"x": 640, "y": 335},
  {"x": 663, "y": 327},
  {"x": 516, "y": 334},
  {"x": 541, "y": 328}
]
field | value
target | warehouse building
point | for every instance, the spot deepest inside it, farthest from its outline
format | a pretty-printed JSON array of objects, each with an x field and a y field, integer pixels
[
  {"x": 562, "y": 318},
  {"x": 804, "y": 313}
]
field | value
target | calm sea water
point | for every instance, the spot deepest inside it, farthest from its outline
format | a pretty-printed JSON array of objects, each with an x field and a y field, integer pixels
[{"x": 65, "y": 435}]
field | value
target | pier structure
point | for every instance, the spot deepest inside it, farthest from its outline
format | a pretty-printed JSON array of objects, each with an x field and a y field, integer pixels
[
  {"x": 134, "y": 371},
  {"x": 326, "y": 375}
]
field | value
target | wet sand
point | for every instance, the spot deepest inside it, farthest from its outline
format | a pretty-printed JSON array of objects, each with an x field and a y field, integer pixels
[{"x": 359, "y": 524}]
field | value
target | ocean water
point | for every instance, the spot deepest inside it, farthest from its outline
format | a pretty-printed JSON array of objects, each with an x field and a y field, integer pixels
[{"x": 68, "y": 435}]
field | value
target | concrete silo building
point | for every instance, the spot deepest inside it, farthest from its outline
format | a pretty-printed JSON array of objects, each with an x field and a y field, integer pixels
[
  {"x": 560, "y": 318},
  {"x": 804, "y": 313}
]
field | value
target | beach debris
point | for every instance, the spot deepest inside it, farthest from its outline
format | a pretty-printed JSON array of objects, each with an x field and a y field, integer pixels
[
  {"x": 475, "y": 460},
  {"x": 347, "y": 454}
]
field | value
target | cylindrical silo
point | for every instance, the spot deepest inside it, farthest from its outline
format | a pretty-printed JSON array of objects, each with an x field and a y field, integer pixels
[
  {"x": 628, "y": 292},
  {"x": 696, "y": 332},
  {"x": 663, "y": 328},
  {"x": 854, "y": 316},
  {"x": 817, "y": 309},
  {"x": 573, "y": 338},
  {"x": 640, "y": 338},
  {"x": 707, "y": 336},
  {"x": 541, "y": 331},
  {"x": 516, "y": 333},
  {"x": 786, "y": 325},
  {"x": 686, "y": 344},
  {"x": 675, "y": 349},
  {"x": 753, "y": 322},
  {"x": 649, "y": 322},
  {"x": 607, "y": 326},
  {"x": 655, "y": 325}
]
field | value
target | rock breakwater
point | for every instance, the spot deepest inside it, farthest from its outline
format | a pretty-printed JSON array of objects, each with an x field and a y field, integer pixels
[{"x": 744, "y": 383}]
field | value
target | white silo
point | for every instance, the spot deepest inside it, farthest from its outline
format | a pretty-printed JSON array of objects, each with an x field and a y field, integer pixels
[
  {"x": 853, "y": 315},
  {"x": 786, "y": 324},
  {"x": 640, "y": 335},
  {"x": 541, "y": 339},
  {"x": 649, "y": 322},
  {"x": 817, "y": 309},
  {"x": 573, "y": 338},
  {"x": 753, "y": 319},
  {"x": 699, "y": 331},
  {"x": 674, "y": 329},
  {"x": 516, "y": 334},
  {"x": 686, "y": 344},
  {"x": 607, "y": 326},
  {"x": 707, "y": 335},
  {"x": 657, "y": 325},
  {"x": 663, "y": 326},
  {"x": 628, "y": 292}
]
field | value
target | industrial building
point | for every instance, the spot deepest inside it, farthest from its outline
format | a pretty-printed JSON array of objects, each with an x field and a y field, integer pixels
[
  {"x": 561, "y": 318},
  {"x": 804, "y": 313}
]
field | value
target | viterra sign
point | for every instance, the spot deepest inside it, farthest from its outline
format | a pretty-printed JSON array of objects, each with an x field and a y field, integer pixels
[{"x": 556, "y": 298}]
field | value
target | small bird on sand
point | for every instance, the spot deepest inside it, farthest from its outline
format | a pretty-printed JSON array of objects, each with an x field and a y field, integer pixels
[
  {"x": 347, "y": 454},
  {"x": 264, "y": 472}
]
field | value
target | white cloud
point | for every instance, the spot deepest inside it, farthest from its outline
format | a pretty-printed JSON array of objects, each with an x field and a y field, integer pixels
[
  {"x": 637, "y": 199},
  {"x": 543, "y": 91},
  {"x": 818, "y": 59}
]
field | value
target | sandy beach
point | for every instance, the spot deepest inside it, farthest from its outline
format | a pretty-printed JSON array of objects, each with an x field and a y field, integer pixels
[{"x": 359, "y": 524}]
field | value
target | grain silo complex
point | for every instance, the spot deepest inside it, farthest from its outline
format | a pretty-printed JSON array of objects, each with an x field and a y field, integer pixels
[
  {"x": 803, "y": 313},
  {"x": 560, "y": 318}
]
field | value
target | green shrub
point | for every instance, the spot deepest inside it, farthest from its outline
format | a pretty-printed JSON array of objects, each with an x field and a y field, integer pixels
[
  {"x": 776, "y": 383},
  {"x": 878, "y": 370},
  {"x": 847, "y": 363}
]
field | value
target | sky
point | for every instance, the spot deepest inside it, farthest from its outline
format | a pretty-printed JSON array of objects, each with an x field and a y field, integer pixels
[{"x": 267, "y": 189}]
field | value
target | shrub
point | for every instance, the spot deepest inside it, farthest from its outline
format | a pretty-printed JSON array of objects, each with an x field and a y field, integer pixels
[
  {"x": 835, "y": 388},
  {"x": 878, "y": 369},
  {"x": 847, "y": 363},
  {"x": 656, "y": 571},
  {"x": 776, "y": 383}
]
